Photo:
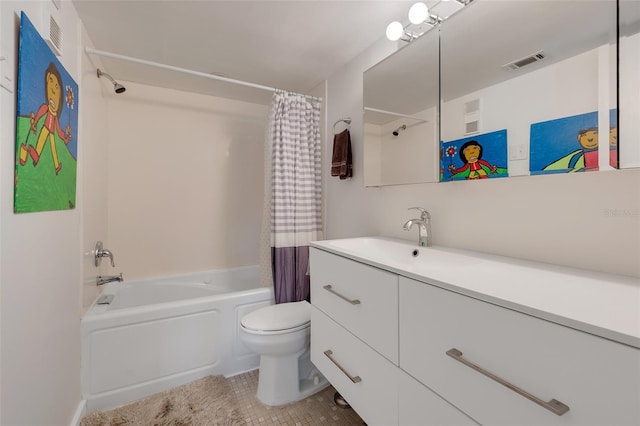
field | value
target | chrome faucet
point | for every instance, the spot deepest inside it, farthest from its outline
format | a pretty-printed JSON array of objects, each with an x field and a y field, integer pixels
[
  {"x": 424, "y": 226},
  {"x": 100, "y": 279},
  {"x": 99, "y": 253}
]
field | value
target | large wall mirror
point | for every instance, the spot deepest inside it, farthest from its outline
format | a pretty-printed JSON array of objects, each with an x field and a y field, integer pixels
[
  {"x": 538, "y": 73},
  {"x": 401, "y": 117},
  {"x": 629, "y": 83}
]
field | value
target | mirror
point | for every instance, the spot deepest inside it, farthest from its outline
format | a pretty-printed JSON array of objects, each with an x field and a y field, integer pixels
[
  {"x": 535, "y": 80},
  {"x": 629, "y": 83},
  {"x": 400, "y": 115}
]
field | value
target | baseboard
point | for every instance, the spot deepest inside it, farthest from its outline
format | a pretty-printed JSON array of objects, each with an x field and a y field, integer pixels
[{"x": 79, "y": 414}]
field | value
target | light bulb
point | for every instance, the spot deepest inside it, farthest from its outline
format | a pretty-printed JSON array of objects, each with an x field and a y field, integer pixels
[
  {"x": 418, "y": 13},
  {"x": 394, "y": 31}
]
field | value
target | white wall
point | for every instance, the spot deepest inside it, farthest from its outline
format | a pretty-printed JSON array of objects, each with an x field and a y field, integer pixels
[
  {"x": 585, "y": 220},
  {"x": 40, "y": 267},
  {"x": 185, "y": 181},
  {"x": 93, "y": 170},
  {"x": 630, "y": 100},
  {"x": 390, "y": 159}
]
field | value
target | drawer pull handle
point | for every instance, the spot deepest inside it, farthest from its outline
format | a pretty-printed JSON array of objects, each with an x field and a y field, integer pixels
[
  {"x": 554, "y": 405},
  {"x": 332, "y": 291},
  {"x": 355, "y": 379}
]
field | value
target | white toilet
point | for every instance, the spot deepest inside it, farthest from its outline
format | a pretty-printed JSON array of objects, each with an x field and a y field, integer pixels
[{"x": 280, "y": 334}]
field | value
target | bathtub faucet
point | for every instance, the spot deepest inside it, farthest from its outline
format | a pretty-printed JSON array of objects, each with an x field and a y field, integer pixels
[
  {"x": 99, "y": 252},
  {"x": 100, "y": 280}
]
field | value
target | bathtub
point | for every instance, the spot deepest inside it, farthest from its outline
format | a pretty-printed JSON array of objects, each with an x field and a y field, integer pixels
[{"x": 159, "y": 333}]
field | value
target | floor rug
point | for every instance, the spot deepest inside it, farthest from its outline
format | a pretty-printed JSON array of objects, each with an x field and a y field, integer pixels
[{"x": 207, "y": 401}]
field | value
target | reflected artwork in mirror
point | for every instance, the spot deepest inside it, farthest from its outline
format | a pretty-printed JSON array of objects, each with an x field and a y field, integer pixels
[
  {"x": 400, "y": 115},
  {"x": 629, "y": 83},
  {"x": 513, "y": 64}
]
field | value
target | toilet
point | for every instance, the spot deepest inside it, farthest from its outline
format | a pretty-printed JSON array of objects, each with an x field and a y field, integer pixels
[{"x": 280, "y": 334}]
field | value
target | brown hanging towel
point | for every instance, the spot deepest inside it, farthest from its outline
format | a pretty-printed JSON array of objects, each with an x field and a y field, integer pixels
[{"x": 341, "y": 161}]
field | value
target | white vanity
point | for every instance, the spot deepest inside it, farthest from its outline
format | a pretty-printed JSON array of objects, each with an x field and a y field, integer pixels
[{"x": 435, "y": 336}]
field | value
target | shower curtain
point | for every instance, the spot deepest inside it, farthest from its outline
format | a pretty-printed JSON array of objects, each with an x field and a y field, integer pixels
[{"x": 293, "y": 193}]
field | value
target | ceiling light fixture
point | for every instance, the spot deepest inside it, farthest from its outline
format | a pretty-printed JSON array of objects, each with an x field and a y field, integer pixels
[
  {"x": 395, "y": 31},
  {"x": 418, "y": 13},
  {"x": 418, "y": 16}
]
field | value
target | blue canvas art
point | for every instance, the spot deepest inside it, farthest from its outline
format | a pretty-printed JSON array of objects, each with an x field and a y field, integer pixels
[
  {"x": 569, "y": 144},
  {"x": 613, "y": 138},
  {"x": 46, "y": 128},
  {"x": 477, "y": 157}
]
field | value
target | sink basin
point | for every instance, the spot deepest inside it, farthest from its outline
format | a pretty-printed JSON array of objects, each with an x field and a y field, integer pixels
[
  {"x": 374, "y": 247},
  {"x": 396, "y": 253}
]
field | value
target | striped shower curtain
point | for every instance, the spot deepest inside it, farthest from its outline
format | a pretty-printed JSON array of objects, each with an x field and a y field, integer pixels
[{"x": 295, "y": 185}]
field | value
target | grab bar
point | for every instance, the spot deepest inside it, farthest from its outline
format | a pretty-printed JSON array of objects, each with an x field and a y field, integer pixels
[
  {"x": 329, "y": 288},
  {"x": 554, "y": 405},
  {"x": 353, "y": 379}
]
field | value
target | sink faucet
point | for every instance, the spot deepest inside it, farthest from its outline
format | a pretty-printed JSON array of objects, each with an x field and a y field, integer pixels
[
  {"x": 424, "y": 226},
  {"x": 103, "y": 279}
]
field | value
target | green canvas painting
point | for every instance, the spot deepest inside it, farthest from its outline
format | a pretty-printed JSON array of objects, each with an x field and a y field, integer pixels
[{"x": 46, "y": 128}]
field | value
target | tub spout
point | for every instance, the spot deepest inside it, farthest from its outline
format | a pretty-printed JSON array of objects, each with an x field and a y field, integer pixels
[{"x": 100, "y": 279}]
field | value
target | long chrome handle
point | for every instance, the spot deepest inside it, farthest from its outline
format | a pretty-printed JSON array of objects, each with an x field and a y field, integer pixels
[
  {"x": 332, "y": 291},
  {"x": 355, "y": 379},
  {"x": 554, "y": 405}
]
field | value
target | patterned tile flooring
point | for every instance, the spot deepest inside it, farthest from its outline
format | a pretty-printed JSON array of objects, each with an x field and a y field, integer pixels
[{"x": 318, "y": 409}]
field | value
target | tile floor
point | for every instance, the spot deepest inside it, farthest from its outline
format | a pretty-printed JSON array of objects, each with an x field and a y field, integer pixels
[{"x": 318, "y": 409}]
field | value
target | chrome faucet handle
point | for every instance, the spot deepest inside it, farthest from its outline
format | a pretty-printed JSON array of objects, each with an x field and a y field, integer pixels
[
  {"x": 99, "y": 253},
  {"x": 424, "y": 214}
]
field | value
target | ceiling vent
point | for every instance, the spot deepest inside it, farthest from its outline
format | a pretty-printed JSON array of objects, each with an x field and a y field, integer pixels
[{"x": 538, "y": 56}]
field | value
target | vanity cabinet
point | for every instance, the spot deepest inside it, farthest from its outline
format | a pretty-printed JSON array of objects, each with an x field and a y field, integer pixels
[
  {"x": 598, "y": 380},
  {"x": 361, "y": 298},
  {"x": 414, "y": 353},
  {"x": 354, "y": 343}
]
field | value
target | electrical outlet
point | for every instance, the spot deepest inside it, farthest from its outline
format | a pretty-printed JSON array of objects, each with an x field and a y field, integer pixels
[{"x": 518, "y": 152}]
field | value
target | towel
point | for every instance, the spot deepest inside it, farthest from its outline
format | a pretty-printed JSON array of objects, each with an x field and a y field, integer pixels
[{"x": 341, "y": 161}]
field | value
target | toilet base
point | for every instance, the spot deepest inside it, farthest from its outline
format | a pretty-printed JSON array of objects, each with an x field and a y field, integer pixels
[{"x": 280, "y": 384}]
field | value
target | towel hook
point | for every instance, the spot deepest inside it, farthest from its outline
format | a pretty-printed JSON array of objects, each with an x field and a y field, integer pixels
[{"x": 346, "y": 120}]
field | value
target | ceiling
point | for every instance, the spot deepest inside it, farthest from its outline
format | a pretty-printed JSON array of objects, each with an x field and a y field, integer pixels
[{"x": 292, "y": 45}]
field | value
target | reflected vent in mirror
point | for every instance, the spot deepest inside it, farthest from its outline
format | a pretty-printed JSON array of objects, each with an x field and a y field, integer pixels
[
  {"x": 472, "y": 116},
  {"x": 471, "y": 127},
  {"x": 538, "y": 56}
]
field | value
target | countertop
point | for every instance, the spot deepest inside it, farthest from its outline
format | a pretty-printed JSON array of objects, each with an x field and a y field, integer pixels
[{"x": 605, "y": 305}]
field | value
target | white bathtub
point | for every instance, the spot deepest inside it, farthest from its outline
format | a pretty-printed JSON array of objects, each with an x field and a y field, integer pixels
[{"x": 160, "y": 333}]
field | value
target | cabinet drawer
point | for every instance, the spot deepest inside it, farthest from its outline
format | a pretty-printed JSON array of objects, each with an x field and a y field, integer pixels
[
  {"x": 374, "y": 393},
  {"x": 361, "y": 298},
  {"x": 417, "y": 405},
  {"x": 597, "y": 379}
]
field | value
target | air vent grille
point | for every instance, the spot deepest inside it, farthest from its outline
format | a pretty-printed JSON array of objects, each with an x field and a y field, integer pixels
[
  {"x": 523, "y": 62},
  {"x": 55, "y": 34}
]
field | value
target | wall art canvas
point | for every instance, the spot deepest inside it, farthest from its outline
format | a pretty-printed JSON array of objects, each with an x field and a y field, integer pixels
[
  {"x": 46, "y": 128},
  {"x": 613, "y": 139},
  {"x": 477, "y": 157},
  {"x": 569, "y": 144}
]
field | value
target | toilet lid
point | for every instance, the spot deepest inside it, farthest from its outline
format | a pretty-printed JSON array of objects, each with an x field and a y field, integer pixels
[{"x": 278, "y": 317}]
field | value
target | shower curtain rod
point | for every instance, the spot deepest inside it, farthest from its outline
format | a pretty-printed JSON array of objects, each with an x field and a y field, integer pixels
[
  {"x": 396, "y": 114},
  {"x": 91, "y": 51}
]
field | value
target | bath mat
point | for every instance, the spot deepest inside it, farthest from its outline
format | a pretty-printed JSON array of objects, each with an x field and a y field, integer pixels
[{"x": 207, "y": 401}]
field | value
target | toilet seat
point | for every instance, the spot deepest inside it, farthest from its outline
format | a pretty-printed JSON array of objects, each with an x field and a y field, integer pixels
[{"x": 278, "y": 319}]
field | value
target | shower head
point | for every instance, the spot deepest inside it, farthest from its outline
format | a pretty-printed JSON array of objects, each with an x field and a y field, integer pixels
[
  {"x": 396, "y": 132},
  {"x": 119, "y": 88}
]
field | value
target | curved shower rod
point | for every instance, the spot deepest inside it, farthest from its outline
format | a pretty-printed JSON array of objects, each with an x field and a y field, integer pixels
[{"x": 91, "y": 51}]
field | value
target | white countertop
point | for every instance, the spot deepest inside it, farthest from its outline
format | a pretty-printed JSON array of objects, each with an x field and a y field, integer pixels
[{"x": 605, "y": 305}]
